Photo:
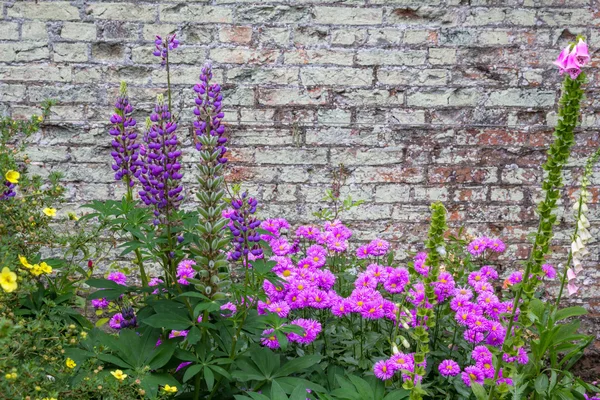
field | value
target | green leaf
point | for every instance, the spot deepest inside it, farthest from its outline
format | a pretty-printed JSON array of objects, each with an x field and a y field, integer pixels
[
  {"x": 114, "y": 360},
  {"x": 162, "y": 355},
  {"x": 209, "y": 377},
  {"x": 362, "y": 386},
  {"x": 541, "y": 384},
  {"x": 168, "y": 321},
  {"x": 192, "y": 371},
  {"x": 103, "y": 283},
  {"x": 299, "y": 393},
  {"x": 297, "y": 365},
  {"x": 397, "y": 395},
  {"x": 277, "y": 392},
  {"x": 569, "y": 312},
  {"x": 479, "y": 391},
  {"x": 101, "y": 322}
]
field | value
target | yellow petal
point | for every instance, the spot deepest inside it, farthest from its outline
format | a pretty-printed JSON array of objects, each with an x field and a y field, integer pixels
[{"x": 12, "y": 176}]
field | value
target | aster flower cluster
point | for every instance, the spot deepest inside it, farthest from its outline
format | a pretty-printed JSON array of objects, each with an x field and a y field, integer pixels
[
  {"x": 164, "y": 45},
  {"x": 243, "y": 226},
  {"x": 209, "y": 113},
  {"x": 185, "y": 270},
  {"x": 160, "y": 175},
  {"x": 478, "y": 246},
  {"x": 399, "y": 362},
  {"x": 125, "y": 151}
]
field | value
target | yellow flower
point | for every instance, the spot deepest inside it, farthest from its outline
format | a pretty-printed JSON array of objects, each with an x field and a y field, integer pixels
[
  {"x": 12, "y": 176},
  {"x": 8, "y": 280},
  {"x": 70, "y": 363},
  {"x": 24, "y": 262},
  {"x": 170, "y": 389},
  {"x": 36, "y": 269},
  {"x": 51, "y": 212},
  {"x": 118, "y": 374},
  {"x": 11, "y": 376},
  {"x": 45, "y": 268}
]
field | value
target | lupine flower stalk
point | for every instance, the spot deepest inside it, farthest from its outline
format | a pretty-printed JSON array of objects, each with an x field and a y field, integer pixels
[
  {"x": 209, "y": 142},
  {"x": 162, "y": 49},
  {"x": 161, "y": 172},
  {"x": 8, "y": 191},
  {"x": 243, "y": 227},
  {"x": 558, "y": 155},
  {"x": 125, "y": 148}
]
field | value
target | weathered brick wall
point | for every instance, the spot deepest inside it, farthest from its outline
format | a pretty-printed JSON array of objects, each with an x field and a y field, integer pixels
[{"x": 421, "y": 100}]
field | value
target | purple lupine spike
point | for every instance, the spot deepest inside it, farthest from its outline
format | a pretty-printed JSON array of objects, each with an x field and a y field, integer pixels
[
  {"x": 163, "y": 46},
  {"x": 125, "y": 149},
  {"x": 243, "y": 225},
  {"x": 161, "y": 172},
  {"x": 209, "y": 111},
  {"x": 8, "y": 192}
]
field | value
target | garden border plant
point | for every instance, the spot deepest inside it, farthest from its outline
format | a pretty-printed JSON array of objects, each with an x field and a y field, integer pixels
[{"x": 253, "y": 310}]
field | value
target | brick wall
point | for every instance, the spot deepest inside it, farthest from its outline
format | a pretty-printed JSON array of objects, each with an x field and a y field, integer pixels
[{"x": 421, "y": 100}]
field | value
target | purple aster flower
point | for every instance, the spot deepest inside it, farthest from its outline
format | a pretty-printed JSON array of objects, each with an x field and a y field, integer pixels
[
  {"x": 337, "y": 245},
  {"x": 481, "y": 354},
  {"x": 515, "y": 277},
  {"x": 161, "y": 176},
  {"x": 155, "y": 282},
  {"x": 472, "y": 374},
  {"x": 341, "y": 308},
  {"x": 419, "y": 264},
  {"x": 209, "y": 113},
  {"x": 117, "y": 277},
  {"x": 496, "y": 245},
  {"x": 378, "y": 247},
  {"x": 396, "y": 280},
  {"x": 317, "y": 254},
  {"x": 362, "y": 252},
  {"x": 384, "y": 369},
  {"x": 308, "y": 232},
  {"x": 476, "y": 277},
  {"x": 402, "y": 361},
  {"x": 311, "y": 328},
  {"x": 549, "y": 271},
  {"x": 449, "y": 368},
  {"x": 522, "y": 357},
  {"x": 100, "y": 304},
  {"x": 185, "y": 270},
  {"x": 477, "y": 246},
  {"x": 464, "y": 292},
  {"x": 280, "y": 247},
  {"x": 116, "y": 321},
  {"x": 281, "y": 308},
  {"x": 489, "y": 272},
  {"x": 163, "y": 46},
  {"x": 269, "y": 339},
  {"x": 365, "y": 280},
  {"x": 473, "y": 336},
  {"x": 487, "y": 368},
  {"x": 126, "y": 151}
]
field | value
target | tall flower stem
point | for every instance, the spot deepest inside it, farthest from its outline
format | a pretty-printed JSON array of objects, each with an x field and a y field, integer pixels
[
  {"x": 558, "y": 155},
  {"x": 138, "y": 254}
]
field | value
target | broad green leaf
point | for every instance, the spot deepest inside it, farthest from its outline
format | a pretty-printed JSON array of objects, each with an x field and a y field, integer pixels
[
  {"x": 298, "y": 364},
  {"x": 192, "y": 371},
  {"x": 209, "y": 377},
  {"x": 101, "y": 322},
  {"x": 397, "y": 395},
  {"x": 168, "y": 321},
  {"x": 114, "y": 360},
  {"x": 299, "y": 393},
  {"x": 569, "y": 312},
  {"x": 479, "y": 391},
  {"x": 541, "y": 384},
  {"x": 362, "y": 386},
  {"x": 277, "y": 392}
]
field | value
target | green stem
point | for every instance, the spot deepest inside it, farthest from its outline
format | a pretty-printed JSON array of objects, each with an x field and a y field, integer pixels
[{"x": 138, "y": 254}]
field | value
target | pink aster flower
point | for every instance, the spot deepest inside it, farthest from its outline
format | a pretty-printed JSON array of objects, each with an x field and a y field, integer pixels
[
  {"x": 116, "y": 320},
  {"x": 281, "y": 308},
  {"x": 477, "y": 246},
  {"x": 308, "y": 232},
  {"x": 449, "y": 368},
  {"x": 307, "y": 263},
  {"x": 515, "y": 277},
  {"x": 522, "y": 357},
  {"x": 419, "y": 264},
  {"x": 325, "y": 279},
  {"x": 481, "y": 354},
  {"x": 489, "y": 272},
  {"x": 373, "y": 310},
  {"x": 402, "y": 361},
  {"x": 378, "y": 247},
  {"x": 317, "y": 254},
  {"x": 487, "y": 368},
  {"x": 549, "y": 271},
  {"x": 269, "y": 339},
  {"x": 378, "y": 272},
  {"x": 311, "y": 328},
  {"x": 473, "y": 336},
  {"x": 384, "y": 369},
  {"x": 476, "y": 277},
  {"x": 337, "y": 245},
  {"x": 100, "y": 304},
  {"x": 472, "y": 374},
  {"x": 185, "y": 270},
  {"x": 280, "y": 247},
  {"x": 496, "y": 245},
  {"x": 362, "y": 252},
  {"x": 155, "y": 282},
  {"x": 364, "y": 280},
  {"x": 117, "y": 277},
  {"x": 341, "y": 308},
  {"x": 396, "y": 280}
]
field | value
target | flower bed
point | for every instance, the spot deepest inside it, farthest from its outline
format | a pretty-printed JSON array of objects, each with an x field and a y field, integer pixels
[{"x": 245, "y": 308}]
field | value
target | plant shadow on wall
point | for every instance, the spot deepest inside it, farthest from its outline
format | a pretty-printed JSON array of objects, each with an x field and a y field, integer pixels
[{"x": 251, "y": 310}]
